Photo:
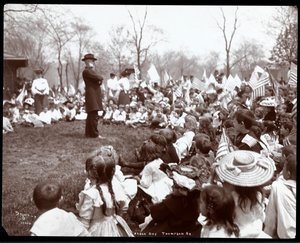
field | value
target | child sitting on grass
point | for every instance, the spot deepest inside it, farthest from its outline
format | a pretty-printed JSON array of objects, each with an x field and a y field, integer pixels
[
  {"x": 101, "y": 202},
  {"x": 53, "y": 221}
]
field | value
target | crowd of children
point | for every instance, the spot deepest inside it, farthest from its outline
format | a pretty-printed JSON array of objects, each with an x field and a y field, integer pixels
[{"x": 214, "y": 167}]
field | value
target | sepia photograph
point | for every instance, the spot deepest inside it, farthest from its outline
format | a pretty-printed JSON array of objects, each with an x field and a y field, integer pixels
[{"x": 149, "y": 121}]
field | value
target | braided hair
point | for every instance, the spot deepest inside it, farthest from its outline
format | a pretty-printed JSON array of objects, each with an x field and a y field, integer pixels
[{"x": 101, "y": 166}]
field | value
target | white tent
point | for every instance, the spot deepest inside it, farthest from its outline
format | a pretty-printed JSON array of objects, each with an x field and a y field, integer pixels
[
  {"x": 212, "y": 79},
  {"x": 153, "y": 74},
  {"x": 204, "y": 77},
  {"x": 231, "y": 83}
]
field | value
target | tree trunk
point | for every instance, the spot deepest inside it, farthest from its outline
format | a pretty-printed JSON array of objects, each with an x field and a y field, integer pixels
[
  {"x": 67, "y": 76},
  {"x": 227, "y": 64}
]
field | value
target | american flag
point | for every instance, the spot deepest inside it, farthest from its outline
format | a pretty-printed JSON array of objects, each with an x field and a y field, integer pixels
[
  {"x": 178, "y": 92},
  {"x": 136, "y": 72},
  {"x": 225, "y": 146},
  {"x": 198, "y": 84},
  {"x": 22, "y": 95},
  {"x": 294, "y": 111},
  {"x": 293, "y": 76},
  {"x": 259, "y": 86}
]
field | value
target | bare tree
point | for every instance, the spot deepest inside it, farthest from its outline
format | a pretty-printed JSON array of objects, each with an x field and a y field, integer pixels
[
  {"x": 228, "y": 40},
  {"x": 246, "y": 57},
  {"x": 60, "y": 34},
  {"x": 211, "y": 62},
  {"x": 20, "y": 8},
  {"x": 82, "y": 35},
  {"x": 282, "y": 18},
  {"x": 26, "y": 35},
  {"x": 117, "y": 46},
  {"x": 137, "y": 40}
]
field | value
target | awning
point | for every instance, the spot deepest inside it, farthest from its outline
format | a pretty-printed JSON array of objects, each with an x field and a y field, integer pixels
[{"x": 21, "y": 61}]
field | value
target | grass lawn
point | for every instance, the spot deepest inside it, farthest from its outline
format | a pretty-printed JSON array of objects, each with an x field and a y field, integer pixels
[{"x": 57, "y": 152}]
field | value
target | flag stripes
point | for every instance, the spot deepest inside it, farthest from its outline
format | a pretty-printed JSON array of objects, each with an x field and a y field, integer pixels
[
  {"x": 198, "y": 84},
  {"x": 259, "y": 85},
  {"x": 293, "y": 76},
  {"x": 258, "y": 92},
  {"x": 225, "y": 146},
  {"x": 136, "y": 72},
  {"x": 294, "y": 111},
  {"x": 22, "y": 95},
  {"x": 178, "y": 92}
]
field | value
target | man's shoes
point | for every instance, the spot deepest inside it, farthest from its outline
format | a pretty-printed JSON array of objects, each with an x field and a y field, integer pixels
[{"x": 100, "y": 137}]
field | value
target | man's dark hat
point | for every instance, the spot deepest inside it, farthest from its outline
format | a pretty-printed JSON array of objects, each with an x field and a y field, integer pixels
[
  {"x": 38, "y": 71},
  {"x": 89, "y": 56}
]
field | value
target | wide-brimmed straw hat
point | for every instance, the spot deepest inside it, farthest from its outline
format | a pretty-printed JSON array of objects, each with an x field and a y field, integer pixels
[{"x": 245, "y": 168}]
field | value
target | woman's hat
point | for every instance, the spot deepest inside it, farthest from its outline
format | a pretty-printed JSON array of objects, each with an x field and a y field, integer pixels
[
  {"x": 89, "y": 56},
  {"x": 38, "y": 71},
  {"x": 245, "y": 168},
  {"x": 29, "y": 101},
  {"x": 270, "y": 102}
]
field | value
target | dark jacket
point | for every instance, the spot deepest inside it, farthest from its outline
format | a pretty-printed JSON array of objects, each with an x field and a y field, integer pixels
[
  {"x": 175, "y": 216},
  {"x": 243, "y": 146},
  {"x": 93, "y": 81}
]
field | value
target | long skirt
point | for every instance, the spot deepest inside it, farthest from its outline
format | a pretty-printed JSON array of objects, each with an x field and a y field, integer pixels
[{"x": 124, "y": 98}]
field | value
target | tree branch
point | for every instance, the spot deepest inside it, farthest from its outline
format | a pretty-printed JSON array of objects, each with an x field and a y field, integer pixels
[
  {"x": 223, "y": 29},
  {"x": 234, "y": 28},
  {"x": 32, "y": 9}
]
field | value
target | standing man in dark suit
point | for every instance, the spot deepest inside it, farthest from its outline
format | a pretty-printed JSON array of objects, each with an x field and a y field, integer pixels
[{"x": 93, "y": 100}]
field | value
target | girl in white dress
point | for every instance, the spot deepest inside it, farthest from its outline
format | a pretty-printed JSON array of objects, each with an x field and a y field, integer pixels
[
  {"x": 102, "y": 200},
  {"x": 217, "y": 205}
]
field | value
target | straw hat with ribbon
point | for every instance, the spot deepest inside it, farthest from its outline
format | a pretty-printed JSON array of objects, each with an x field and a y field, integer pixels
[
  {"x": 245, "y": 168},
  {"x": 269, "y": 102}
]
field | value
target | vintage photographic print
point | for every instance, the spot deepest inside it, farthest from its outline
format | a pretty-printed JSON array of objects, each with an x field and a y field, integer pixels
[{"x": 175, "y": 121}]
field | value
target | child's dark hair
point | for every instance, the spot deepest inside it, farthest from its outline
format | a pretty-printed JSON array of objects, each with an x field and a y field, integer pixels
[
  {"x": 169, "y": 135},
  {"x": 288, "y": 125},
  {"x": 248, "y": 194},
  {"x": 228, "y": 123},
  {"x": 256, "y": 131},
  {"x": 153, "y": 148},
  {"x": 269, "y": 126},
  {"x": 220, "y": 208},
  {"x": 204, "y": 145},
  {"x": 159, "y": 140},
  {"x": 291, "y": 165},
  {"x": 288, "y": 149},
  {"x": 46, "y": 195},
  {"x": 245, "y": 117}
]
